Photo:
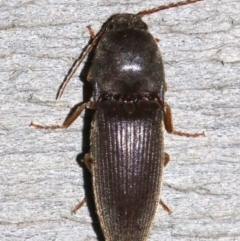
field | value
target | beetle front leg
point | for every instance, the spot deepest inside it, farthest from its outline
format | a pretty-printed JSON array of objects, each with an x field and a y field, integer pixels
[
  {"x": 169, "y": 124},
  {"x": 91, "y": 31},
  {"x": 69, "y": 120}
]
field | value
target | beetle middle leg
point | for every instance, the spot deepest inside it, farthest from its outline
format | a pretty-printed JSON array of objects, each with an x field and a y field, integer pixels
[
  {"x": 169, "y": 124},
  {"x": 69, "y": 120}
]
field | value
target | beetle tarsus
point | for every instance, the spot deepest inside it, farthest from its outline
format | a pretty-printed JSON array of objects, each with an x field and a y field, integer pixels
[
  {"x": 169, "y": 124},
  {"x": 47, "y": 127}
]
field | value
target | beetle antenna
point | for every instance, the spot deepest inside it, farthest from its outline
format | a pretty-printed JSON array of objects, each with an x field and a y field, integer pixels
[
  {"x": 167, "y": 6},
  {"x": 76, "y": 64}
]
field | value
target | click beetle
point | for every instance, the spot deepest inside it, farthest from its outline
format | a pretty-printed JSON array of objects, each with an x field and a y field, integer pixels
[{"x": 127, "y": 151}]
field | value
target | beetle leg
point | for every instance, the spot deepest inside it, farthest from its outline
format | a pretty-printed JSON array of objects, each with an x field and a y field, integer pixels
[
  {"x": 166, "y": 159},
  {"x": 77, "y": 207},
  {"x": 165, "y": 207},
  {"x": 169, "y": 124},
  {"x": 88, "y": 161},
  {"x": 69, "y": 120},
  {"x": 91, "y": 31}
]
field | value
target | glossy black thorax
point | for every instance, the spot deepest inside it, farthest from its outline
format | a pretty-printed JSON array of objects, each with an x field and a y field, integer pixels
[{"x": 127, "y": 60}]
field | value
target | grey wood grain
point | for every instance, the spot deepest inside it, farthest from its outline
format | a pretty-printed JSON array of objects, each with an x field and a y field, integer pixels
[{"x": 40, "y": 179}]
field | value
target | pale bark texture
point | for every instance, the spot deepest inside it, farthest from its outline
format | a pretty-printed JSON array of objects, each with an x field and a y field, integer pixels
[{"x": 42, "y": 176}]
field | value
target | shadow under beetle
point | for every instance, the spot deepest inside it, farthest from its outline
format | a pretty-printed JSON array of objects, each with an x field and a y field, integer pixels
[{"x": 126, "y": 157}]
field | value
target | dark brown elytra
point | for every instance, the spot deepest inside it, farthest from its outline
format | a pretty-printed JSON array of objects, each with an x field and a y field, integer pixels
[{"x": 127, "y": 151}]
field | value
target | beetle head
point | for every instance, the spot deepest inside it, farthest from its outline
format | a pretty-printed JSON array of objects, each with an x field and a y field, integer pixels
[{"x": 126, "y": 21}]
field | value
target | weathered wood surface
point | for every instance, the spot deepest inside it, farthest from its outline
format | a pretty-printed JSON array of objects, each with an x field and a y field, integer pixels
[{"x": 41, "y": 180}]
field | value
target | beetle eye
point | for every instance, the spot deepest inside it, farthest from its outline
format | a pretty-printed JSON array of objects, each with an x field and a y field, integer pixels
[{"x": 144, "y": 26}]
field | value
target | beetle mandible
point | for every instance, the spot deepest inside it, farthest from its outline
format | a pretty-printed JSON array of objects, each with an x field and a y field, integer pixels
[{"x": 127, "y": 154}]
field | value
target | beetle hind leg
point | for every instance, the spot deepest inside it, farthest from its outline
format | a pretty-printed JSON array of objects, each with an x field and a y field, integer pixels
[
  {"x": 88, "y": 162},
  {"x": 165, "y": 162},
  {"x": 165, "y": 207},
  {"x": 77, "y": 207}
]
